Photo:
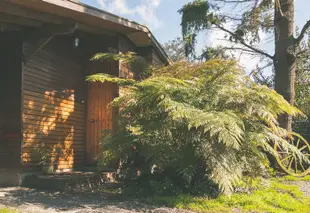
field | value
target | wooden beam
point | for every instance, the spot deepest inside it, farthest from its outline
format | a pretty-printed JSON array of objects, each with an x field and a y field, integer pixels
[
  {"x": 9, "y": 27},
  {"x": 19, "y": 21},
  {"x": 48, "y": 30},
  {"x": 140, "y": 39},
  {"x": 95, "y": 30},
  {"x": 36, "y": 48},
  {"x": 23, "y": 12},
  {"x": 44, "y": 34}
]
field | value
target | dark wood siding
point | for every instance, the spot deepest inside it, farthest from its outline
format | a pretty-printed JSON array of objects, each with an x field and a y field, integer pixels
[
  {"x": 151, "y": 56},
  {"x": 146, "y": 53},
  {"x": 156, "y": 61},
  {"x": 10, "y": 107},
  {"x": 54, "y": 110},
  {"x": 125, "y": 45}
]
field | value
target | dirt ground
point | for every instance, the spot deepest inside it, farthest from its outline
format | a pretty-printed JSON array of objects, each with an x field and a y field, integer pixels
[{"x": 36, "y": 201}]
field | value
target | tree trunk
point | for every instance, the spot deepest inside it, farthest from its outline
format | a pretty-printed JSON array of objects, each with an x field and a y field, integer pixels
[{"x": 285, "y": 59}]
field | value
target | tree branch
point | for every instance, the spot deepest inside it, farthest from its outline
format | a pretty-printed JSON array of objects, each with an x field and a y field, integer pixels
[
  {"x": 260, "y": 69},
  {"x": 302, "y": 33},
  {"x": 252, "y": 52},
  {"x": 241, "y": 41}
]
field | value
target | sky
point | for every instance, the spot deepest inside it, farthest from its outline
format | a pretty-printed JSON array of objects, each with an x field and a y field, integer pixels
[
  {"x": 160, "y": 16},
  {"x": 163, "y": 20}
]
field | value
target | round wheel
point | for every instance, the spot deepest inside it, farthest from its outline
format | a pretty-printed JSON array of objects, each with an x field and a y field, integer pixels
[{"x": 288, "y": 160}]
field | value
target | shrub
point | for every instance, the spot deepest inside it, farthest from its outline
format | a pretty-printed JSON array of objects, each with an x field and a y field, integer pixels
[
  {"x": 278, "y": 197},
  {"x": 198, "y": 125}
]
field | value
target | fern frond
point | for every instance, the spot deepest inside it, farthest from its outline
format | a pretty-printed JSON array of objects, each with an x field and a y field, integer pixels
[
  {"x": 204, "y": 119},
  {"x": 103, "y": 77},
  {"x": 122, "y": 57}
]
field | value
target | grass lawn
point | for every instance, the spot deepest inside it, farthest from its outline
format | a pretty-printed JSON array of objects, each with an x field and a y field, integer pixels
[
  {"x": 279, "y": 197},
  {"x": 6, "y": 210},
  {"x": 292, "y": 178}
]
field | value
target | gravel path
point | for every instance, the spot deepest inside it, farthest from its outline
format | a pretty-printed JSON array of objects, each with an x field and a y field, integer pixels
[
  {"x": 304, "y": 186},
  {"x": 36, "y": 201}
]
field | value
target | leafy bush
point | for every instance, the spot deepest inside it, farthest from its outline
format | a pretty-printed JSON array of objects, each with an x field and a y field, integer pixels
[
  {"x": 197, "y": 125},
  {"x": 277, "y": 198},
  {"x": 302, "y": 125}
]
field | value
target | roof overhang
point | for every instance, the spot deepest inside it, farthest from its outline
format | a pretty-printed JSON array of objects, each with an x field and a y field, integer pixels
[{"x": 86, "y": 16}]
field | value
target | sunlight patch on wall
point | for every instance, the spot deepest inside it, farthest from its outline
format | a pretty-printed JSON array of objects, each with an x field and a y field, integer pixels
[{"x": 46, "y": 120}]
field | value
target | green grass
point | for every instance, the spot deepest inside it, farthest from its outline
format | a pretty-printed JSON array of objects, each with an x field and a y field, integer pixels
[
  {"x": 292, "y": 178},
  {"x": 7, "y": 210},
  {"x": 279, "y": 197}
]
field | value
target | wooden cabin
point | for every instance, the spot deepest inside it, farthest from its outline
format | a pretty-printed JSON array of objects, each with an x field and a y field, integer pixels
[{"x": 45, "y": 51}]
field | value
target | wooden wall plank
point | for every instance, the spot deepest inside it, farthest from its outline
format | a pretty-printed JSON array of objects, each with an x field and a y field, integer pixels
[
  {"x": 99, "y": 116},
  {"x": 125, "y": 45},
  {"x": 156, "y": 61},
  {"x": 54, "y": 88}
]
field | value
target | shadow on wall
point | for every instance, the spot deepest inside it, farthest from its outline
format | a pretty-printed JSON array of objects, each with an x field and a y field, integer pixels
[
  {"x": 53, "y": 108},
  {"x": 54, "y": 113},
  {"x": 49, "y": 129}
]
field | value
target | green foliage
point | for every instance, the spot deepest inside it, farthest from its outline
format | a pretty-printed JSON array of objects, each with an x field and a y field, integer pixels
[
  {"x": 302, "y": 88},
  {"x": 277, "y": 198},
  {"x": 259, "y": 17},
  {"x": 242, "y": 27},
  {"x": 194, "y": 18},
  {"x": 197, "y": 123},
  {"x": 121, "y": 57},
  {"x": 249, "y": 185},
  {"x": 201, "y": 15},
  {"x": 137, "y": 64},
  {"x": 102, "y": 77},
  {"x": 292, "y": 178},
  {"x": 175, "y": 49},
  {"x": 8, "y": 210},
  {"x": 212, "y": 53},
  {"x": 262, "y": 79},
  {"x": 45, "y": 155}
]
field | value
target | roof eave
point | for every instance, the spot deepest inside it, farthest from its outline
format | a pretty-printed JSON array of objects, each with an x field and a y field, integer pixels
[{"x": 79, "y": 7}]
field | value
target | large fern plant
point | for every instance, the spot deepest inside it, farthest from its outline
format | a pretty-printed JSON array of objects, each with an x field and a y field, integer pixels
[{"x": 198, "y": 121}]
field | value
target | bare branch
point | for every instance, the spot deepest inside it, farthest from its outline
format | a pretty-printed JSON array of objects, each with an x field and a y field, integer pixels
[
  {"x": 241, "y": 41},
  {"x": 260, "y": 69},
  {"x": 248, "y": 51},
  {"x": 236, "y": 18},
  {"x": 303, "y": 32}
]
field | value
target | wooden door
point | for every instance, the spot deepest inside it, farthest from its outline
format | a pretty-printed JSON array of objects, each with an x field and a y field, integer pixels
[{"x": 99, "y": 116}]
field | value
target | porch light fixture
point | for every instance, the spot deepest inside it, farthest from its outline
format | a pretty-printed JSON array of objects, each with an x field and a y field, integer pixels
[{"x": 76, "y": 42}]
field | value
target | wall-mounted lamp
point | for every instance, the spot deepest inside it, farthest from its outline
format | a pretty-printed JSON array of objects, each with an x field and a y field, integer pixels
[{"x": 76, "y": 42}]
